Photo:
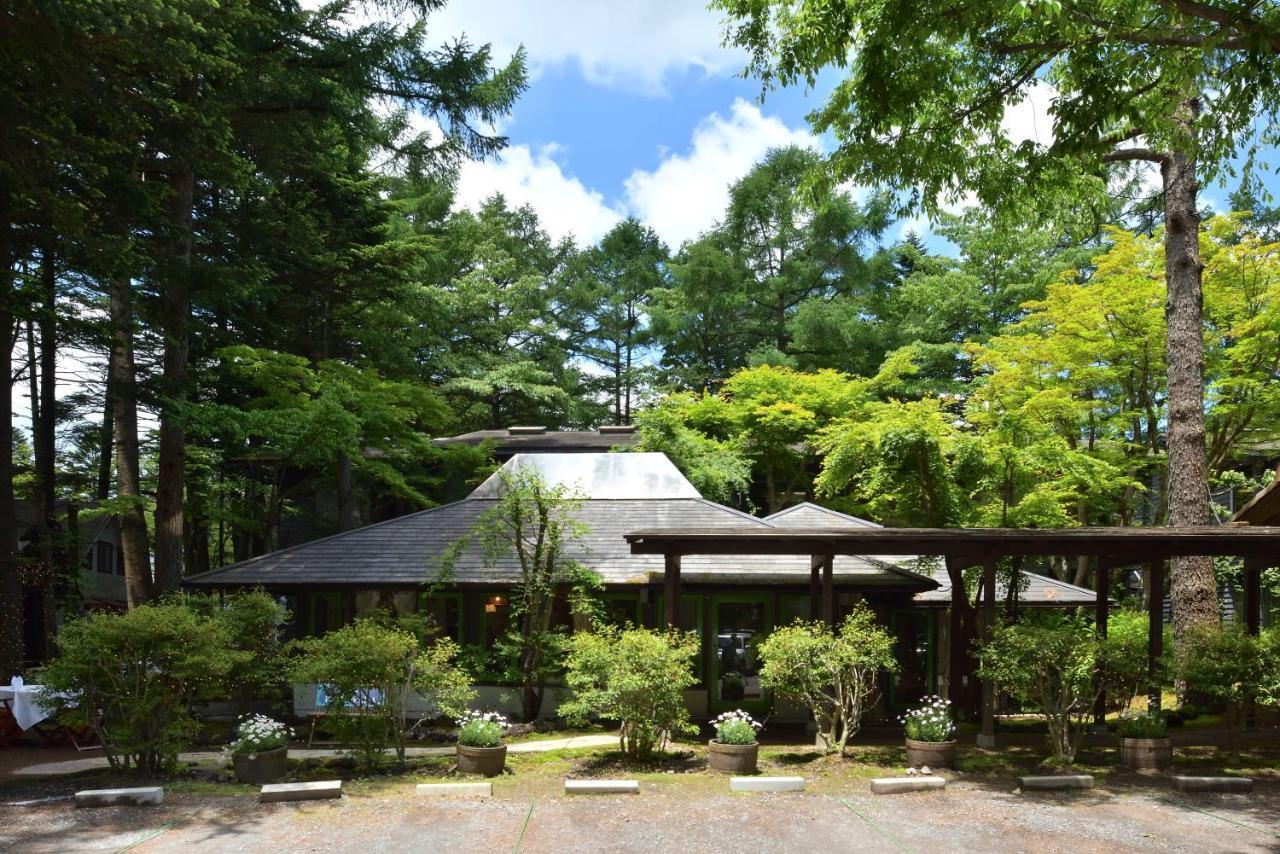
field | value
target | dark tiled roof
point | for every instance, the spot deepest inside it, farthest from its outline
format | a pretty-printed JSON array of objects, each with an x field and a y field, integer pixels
[
  {"x": 550, "y": 442},
  {"x": 1040, "y": 590}
]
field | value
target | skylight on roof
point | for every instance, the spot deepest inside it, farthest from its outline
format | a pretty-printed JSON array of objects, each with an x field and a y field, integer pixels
[{"x": 601, "y": 476}]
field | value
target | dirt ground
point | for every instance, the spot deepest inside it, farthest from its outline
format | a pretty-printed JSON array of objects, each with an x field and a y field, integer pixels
[
  {"x": 681, "y": 807},
  {"x": 966, "y": 817}
]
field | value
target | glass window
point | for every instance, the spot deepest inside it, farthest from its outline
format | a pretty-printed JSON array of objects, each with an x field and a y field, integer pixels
[
  {"x": 106, "y": 558},
  {"x": 911, "y": 642},
  {"x": 622, "y": 610},
  {"x": 325, "y": 613},
  {"x": 442, "y": 616},
  {"x": 740, "y": 626},
  {"x": 497, "y": 619}
]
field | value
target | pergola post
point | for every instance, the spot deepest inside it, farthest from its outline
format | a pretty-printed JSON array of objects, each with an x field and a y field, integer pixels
[
  {"x": 987, "y": 737},
  {"x": 815, "y": 587},
  {"x": 671, "y": 590},
  {"x": 1155, "y": 632},
  {"x": 828, "y": 590},
  {"x": 1253, "y": 567},
  {"x": 1101, "y": 613}
]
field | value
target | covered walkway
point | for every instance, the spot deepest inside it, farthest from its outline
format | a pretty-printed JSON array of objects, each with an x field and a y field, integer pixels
[{"x": 964, "y": 548}]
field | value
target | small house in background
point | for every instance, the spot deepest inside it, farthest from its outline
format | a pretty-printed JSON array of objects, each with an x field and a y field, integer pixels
[
  {"x": 730, "y": 601},
  {"x": 509, "y": 441},
  {"x": 94, "y": 569},
  {"x": 1263, "y": 509}
]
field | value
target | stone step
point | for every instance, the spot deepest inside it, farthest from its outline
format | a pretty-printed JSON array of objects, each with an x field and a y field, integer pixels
[
  {"x": 145, "y": 796},
  {"x": 766, "y": 784},
  {"x": 1056, "y": 782},
  {"x": 898, "y": 785},
  {"x": 472, "y": 790},
  {"x": 601, "y": 787},
  {"x": 1238, "y": 785},
  {"x": 317, "y": 791}
]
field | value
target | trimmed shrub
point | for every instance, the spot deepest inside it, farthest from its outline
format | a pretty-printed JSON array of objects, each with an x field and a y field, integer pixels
[
  {"x": 1142, "y": 725},
  {"x": 834, "y": 674},
  {"x": 636, "y": 676},
  {"x": 1047, "y": 661},
  {"x": 133, "y": 677},
  {"x": 369, "y": 672},
  {"x": 1229, "y": 665}
]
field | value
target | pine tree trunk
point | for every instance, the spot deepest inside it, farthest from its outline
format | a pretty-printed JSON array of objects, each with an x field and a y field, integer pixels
[
  {"x": 105, "y": 438},
  {"x": 11, "y": 651},
  {"x": 124, "y": 408},
  {"x": 176, "y": 310},
  {"x": 1193, "y": 591},
  {"x": 44, "y": 430}
]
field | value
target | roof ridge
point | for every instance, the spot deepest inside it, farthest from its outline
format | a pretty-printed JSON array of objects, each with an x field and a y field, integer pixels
[{"x": 827, "y": 510}]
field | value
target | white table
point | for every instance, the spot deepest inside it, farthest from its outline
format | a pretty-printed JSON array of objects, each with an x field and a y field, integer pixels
[{"x": 24, "y": 702}]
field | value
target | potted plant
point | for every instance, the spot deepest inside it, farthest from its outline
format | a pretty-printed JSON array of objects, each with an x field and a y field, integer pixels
[
  {"x": 1144, "y": 743},
  {"x": 260, "y": 751},
  {"x": 480, "y": 747},
  {"x": 931, "y": 734},
  {"x": 735, "y": 749}
]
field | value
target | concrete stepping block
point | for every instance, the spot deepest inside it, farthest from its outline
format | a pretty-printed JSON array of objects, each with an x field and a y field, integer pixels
[
  {"x": 471, "y": 790},
  {"x": 602, "y": 787},
  {"x": 1237, "y": 785},
  {"x": 146, "y": 796},
  {"x": 318, "y": 791},
  {"x": 898, "y": 785},
  {"x": 1056, "y": 782},
  {"x": 766, "y": 784}
]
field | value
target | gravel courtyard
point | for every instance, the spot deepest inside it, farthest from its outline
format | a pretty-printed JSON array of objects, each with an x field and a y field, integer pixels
[{"x": 967, "y": 817}]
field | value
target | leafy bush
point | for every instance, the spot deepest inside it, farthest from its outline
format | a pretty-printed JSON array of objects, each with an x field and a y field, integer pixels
[
  {"x": 1124, "y": 658},
  {"x": 930, "y": 721},
  {"x": 259, "y": 733},
  {"x": 835, "y": 674},
  {"x": 253, "y": 620},
  {"x": 369, "y": 673},
  {"x": 736, "y": 727},
  {"x": 481, "y": 729},
  {"x": 1047, "y": 661},
  {"x": 633, "y": 675},
  {"x": 133, "y": 677},
  {"x": 1142, "y": 725},
  {"x": 1229, "y": 665}
]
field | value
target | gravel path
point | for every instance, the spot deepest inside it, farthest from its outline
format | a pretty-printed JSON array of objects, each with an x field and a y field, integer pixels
[{"x": 968, "y": 816}]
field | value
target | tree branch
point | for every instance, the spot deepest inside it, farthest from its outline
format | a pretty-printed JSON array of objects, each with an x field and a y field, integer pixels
[{"x": 1123, "y": 154}]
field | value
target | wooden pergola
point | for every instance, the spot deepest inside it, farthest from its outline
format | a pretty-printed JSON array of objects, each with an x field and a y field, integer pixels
[{"x": 962, "y": 548}]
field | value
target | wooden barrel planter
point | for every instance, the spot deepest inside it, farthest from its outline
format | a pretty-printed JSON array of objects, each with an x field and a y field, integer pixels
[
  {"x": 733, "y": 758},
  {"x": 488, "y": 761},
  {"x": 268, "y": 766},
  {"x": 934, "y": 754},
  {"x": 1146, "y": 754}
]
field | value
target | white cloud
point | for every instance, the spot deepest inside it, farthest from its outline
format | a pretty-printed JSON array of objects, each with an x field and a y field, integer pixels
[
  {"x": 687, "y": 192},
  {"x": 564, "y": 204},
  {"x": 628, "y": 46}
]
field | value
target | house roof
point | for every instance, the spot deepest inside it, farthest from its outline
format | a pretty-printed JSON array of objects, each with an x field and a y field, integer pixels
[
  {"x": 1040, "y": 590},
  {"x": 1263, "y": 508},
  {"x": 624, "y": 491},
  {"x": 510, "y": 440}
]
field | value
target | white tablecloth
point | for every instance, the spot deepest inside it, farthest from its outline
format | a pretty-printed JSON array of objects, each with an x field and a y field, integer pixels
[{"x": 25, "y": 704}]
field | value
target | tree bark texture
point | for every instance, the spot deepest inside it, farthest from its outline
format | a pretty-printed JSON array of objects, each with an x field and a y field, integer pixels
[
  {"x": 1193, "y": 590},
  {"x": 124, "y": 408},
  {"x": 11, "y": 646},
  {"x": 175, "y": 296}
]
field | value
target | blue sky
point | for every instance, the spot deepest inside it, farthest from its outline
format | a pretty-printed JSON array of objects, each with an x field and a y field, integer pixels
[{"x": 637, "y": 109}]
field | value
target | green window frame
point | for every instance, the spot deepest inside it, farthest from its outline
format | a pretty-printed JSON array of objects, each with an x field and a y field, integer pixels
[
  {"x": 637, "y": 607},
  {"x": 334, "y": 605},
  {"x": 715, "y": 703},
  {"x": 454, "y": 596},
  {"x": 892, "y": 700}
]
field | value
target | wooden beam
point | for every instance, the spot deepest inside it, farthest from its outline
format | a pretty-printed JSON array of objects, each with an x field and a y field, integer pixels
[
  {"x": 828, "y": 590},
  {"x": 1136, "y": 544},
  {"x": 987, "y": 738},
  {"x": 815, "y": 586},
  {"x": 1253, "y": 592},
  {"x": 1155, "y": 632},
  {"x": 1101, "y": 613},
  {"x": 671, "y": 590}
]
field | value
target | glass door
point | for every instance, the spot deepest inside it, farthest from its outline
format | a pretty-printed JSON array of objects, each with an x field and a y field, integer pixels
[
  {"x": 913, "y": 648},
  {"x": 738, "y": 624}
]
